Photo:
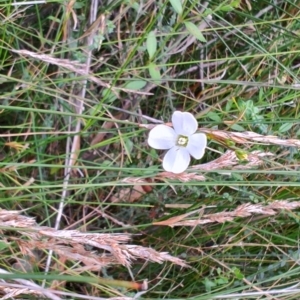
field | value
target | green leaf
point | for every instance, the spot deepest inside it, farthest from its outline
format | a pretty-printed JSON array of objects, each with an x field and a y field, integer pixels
[
  {"x": 108, "y": 95},
  {"x": 135, "y": 85},
  {"x": 230, "y": 143},
  {"x": 227, "y": 8},
  {"x": 208, "y": 284},
  {"x": 285, "y": 127},
  {"x": 237, "y": 127},
  {"x": 241, "y": 154},
  {"x": 154, "y": 72},
  {"x": 231, "y": 6},
  {"x": 214, "y": 116},
  {"x": 151, "y": 44},
  {"x": 237, "y": 273},
  {"x": 228, "y": 106},
  {"x": 3, "y": 245},
  {"x": 236, "y": 3},
  {"x": 194, "y": 30},
  {"x": 222, "y": 280},
  {"x": 177, "y": 6}
]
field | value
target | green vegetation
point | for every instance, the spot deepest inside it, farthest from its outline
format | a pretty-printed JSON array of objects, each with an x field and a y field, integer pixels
[{"x": 81, "y": 84}]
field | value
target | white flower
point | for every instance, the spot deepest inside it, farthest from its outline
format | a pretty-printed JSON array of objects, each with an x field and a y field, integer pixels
[{"x": 182, "y": 141}]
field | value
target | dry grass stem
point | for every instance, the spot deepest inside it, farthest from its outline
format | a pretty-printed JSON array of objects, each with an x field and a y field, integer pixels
[
  {"x": 75, "y": 67},
  {"x": 249, "y": 137},
  {"x": 246, "y": 137},
  {"x": 244, "y": 210},
  {"x": 183, "y": 177},
  {"x": 73, "y": 150},
  {"x": 109, "y": 124},
  {"x": 227, "y": 160},
  {"x": 26, "y": 289},
  {"x": 69, "y": 244},
  {"x": 230, "y": 160},
  {"x": 12, "y": 289},
  {"x": 71, "y": 65}
]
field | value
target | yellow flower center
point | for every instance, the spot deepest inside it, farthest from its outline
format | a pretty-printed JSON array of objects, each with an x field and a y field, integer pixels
[{"x": 182, "y": 141}]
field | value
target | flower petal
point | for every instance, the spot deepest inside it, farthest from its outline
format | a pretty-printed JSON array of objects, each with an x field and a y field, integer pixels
[
  {"x": 176, "y": 160},
  {"x": 196, "y": 145},
  {"x": 162, "y": 137},
  {"x": 184, "y": 123}
]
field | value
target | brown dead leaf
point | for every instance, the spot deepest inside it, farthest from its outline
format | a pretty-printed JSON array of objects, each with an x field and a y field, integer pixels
[
  {"x": 131, "y": 194},
  {"x": 134, "y": 193},
  {"x": 172, "y": 221}
]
